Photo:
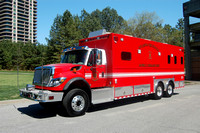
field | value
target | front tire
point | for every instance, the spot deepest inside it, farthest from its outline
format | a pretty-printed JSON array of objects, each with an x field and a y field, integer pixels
[
  {"x": 158, "y": 92},
  {"x": 76, "y": 102}
]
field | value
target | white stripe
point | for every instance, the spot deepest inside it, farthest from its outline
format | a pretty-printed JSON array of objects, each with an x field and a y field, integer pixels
[
  {"x": 144, "y": 74},
  {"x": 88, "y": 75},
  {"x": 100, "y": 75}
]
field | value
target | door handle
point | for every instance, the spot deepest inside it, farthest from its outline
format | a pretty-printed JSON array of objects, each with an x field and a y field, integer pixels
[{"x": 102, "y": 74}]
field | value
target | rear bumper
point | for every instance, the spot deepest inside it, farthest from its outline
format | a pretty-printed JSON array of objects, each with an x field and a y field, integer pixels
[{"x": 41, "y": 95}]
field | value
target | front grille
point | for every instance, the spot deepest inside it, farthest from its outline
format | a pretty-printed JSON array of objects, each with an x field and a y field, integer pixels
[{"x": 42, "y": 76}]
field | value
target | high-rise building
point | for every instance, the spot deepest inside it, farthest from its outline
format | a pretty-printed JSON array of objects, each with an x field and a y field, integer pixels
[{"x": 18, "y": 20}]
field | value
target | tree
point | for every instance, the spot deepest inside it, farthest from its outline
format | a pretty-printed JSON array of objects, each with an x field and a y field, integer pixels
[
  {"x": 106, "y": 19},
  {"x": 90, "y": 22},
  {"x": 111, "y": 21},
  {"x": 174, "y": 35},
  {"x": 25, "y": 56},
  {"x": 180, "y": 28},
  {"x": 64, "y": 33},
  {"x": 148, "y": 25},
  {"x": 145, "y": 25}
]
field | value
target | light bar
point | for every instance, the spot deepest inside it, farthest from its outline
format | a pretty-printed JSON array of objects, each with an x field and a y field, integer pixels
[{"x": 75, "y": 48}]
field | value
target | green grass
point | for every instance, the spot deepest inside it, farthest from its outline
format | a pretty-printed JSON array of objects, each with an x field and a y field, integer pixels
[{"x": 9, "y": 88}]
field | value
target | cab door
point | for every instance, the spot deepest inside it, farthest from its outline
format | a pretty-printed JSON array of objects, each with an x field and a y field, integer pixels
[{"x": 95, "y": 72}]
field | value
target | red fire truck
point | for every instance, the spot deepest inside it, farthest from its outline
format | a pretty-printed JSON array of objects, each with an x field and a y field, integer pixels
[{"x": 105, "y": 68}]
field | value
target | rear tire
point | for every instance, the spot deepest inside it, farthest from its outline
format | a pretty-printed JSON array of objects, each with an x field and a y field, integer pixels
[
  {"x": 76, "y": 102},
  {"x": 169, "y": 90},
  {"x": 158, "y": 91}
]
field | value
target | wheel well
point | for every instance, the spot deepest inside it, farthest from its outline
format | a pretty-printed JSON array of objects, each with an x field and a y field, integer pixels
[
  {"x": 81, "y": 85},
  {"x": 160, "y": 82},
  {"x": 171, "y": 82}
]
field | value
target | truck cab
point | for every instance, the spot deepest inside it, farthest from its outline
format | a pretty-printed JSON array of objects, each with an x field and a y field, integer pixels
[{"x": 81, "y": 68}]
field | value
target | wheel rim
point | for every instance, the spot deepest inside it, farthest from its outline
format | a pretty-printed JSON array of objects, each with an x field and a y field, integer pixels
[
  {"x": 159, "y": 91},
  {"x": 78, "y": 103},
  {"x": 169, "y": 89}
]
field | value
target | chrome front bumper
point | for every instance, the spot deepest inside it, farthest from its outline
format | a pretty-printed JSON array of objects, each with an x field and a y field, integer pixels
[{"x": 41, "y": 95}]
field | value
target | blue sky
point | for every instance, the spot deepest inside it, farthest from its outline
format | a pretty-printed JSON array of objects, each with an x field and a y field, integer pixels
[{"x": 168, "y": 10}]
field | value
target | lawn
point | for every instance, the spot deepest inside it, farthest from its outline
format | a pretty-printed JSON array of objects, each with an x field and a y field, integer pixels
[{"x": 9, "y": 88}]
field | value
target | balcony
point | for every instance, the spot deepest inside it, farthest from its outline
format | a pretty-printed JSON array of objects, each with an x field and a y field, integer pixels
[
  {"x": 5, "y": 23},
  {"x": 20, "y": 1},
  {"x": 192, "y": 8},
  {"x": 195, "y": 45},
  {"x": 5, "y": 17},
  {"x": 6, "y": 4},
  {"x": 5, "y": 37},
  {"x": 20, "y": 9},
  {"x": 6, "y": 32},
  {"x": 6, "y": 26},
  {"x": 23, "y": 17},
  {"x": 22, "y": 6},
  {"x": 6, "y": 14},
  {"x": 195, "y": 27},
  {"x": 6, "y": 10},
  {"x": 20, "y": 33}
]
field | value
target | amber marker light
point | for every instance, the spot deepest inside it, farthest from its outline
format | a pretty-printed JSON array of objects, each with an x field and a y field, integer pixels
[
  {"x": 62, "y": 80},
  {"x": 74, "y": 70}
]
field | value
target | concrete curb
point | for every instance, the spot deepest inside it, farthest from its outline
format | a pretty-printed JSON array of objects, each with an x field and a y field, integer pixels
[
  {"x": 6, "y": 102},
  {"x": 190, "y": 82}
]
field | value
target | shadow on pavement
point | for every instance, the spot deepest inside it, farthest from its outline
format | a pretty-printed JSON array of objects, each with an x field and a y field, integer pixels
[
  {"x": 117, "y": 103},
  {"x": 36, "y": 111}
]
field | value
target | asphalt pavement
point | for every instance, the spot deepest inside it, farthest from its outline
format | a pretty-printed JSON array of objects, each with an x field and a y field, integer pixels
[{"x": 178, "y": 114}]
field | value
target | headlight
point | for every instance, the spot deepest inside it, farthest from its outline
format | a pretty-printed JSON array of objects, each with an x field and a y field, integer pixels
[{"x": 56, "y": 82}]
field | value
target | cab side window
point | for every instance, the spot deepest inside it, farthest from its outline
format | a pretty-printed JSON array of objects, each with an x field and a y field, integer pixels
[
  {"x": 95, "y": 57},
  {"x": 90, "y": 59},
  {"x": 99, "y": 57}
]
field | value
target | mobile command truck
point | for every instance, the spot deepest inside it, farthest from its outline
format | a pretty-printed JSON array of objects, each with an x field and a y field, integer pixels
[{"x": 105, "y": 68}]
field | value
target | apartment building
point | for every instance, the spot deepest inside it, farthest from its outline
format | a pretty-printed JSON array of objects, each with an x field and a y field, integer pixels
[{"x": 18, "y": 20}]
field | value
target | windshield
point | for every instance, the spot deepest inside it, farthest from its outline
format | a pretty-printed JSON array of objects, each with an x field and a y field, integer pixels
[{"x": 75, "y": 57}]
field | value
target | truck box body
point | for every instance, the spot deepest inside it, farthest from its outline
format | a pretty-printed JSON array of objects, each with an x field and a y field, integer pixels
[{"x": 134, "y": 62}]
